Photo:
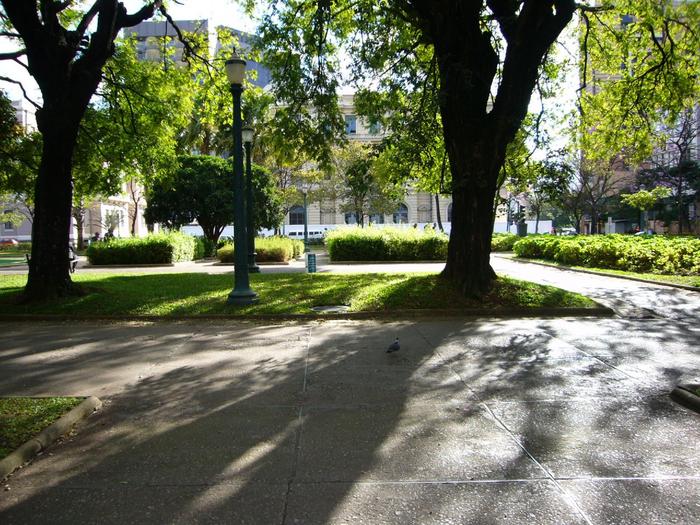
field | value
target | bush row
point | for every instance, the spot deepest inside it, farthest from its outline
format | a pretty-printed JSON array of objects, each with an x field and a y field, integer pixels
[
  {"x": 268, "y": 249},
  {"x": 503, "y": 242},
  {"x": 386, "y": 244},
  {"x": 645, "y": 254},
  {"x": 162, "y": 248},
  {"x": 22, "y": 247}
]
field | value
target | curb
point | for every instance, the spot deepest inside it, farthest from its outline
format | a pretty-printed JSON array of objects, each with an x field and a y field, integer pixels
[
  {"x": 602, "y": 274},
  {"x": 48, "y": 436},
  {"x": 683, "y": 395},
  {"x": 506, "y": 313}
]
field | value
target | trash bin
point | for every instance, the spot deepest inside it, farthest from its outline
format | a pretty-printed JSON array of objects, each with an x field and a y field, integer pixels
[
  {"x": 311, "y": 262},
  {"x": 522, "y": 229}
]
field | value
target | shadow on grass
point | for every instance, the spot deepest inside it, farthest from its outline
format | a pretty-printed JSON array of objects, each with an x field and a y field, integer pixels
[{"x": 201, "y": 294}]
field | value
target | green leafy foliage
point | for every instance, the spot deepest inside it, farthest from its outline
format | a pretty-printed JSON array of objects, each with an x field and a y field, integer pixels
[
  {"x": 651, "y": 254},
  {"x": 503, "y": 242},
  {"x": 155, "y": 249},
  {"x": 201, "y": 189},
  {"x": 268, "y": 249},
  {"x": 641, "y": 70},
  {"x": 386, "y": 244},
  {"x": 645, "y": 200}
]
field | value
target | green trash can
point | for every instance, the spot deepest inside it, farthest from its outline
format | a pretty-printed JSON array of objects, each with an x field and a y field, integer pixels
[
  {"x": 522, "y": 229},
  {"x": 311, "y": 262}
]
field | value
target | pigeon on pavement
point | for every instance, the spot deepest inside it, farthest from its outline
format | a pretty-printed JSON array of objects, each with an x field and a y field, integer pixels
[{"x": 394, "y": 347}]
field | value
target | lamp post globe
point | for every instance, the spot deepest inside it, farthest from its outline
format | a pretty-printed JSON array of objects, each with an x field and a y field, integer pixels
[
  {"x": 248, "y": 134},
  {"x": 241, "y": 294}
]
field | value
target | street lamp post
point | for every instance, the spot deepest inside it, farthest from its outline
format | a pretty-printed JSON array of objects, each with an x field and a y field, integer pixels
[
  {"x": 248, "y": 142},
  {"x": 241, "y": 293},
  {"x": 306, "y": 225}
]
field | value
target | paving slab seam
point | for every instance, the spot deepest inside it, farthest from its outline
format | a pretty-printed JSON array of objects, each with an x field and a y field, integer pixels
[
  {"x": 423, "y": 482},
  {"x": 300, "y": 424},
  {"x": 295, "y": 466},
  {"x": 567, "y": 497},
  {"x": 648, "y": 382},
  {"x": 624, "y": 478}
]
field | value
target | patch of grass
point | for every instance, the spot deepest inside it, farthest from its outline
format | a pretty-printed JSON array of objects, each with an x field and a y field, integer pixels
[
  {"x": 293, "y": 293},
  {"x": 22, "y": 418},
  {"x": 687, "y": 280}
]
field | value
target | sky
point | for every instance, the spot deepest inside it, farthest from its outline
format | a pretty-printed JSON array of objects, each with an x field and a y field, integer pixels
[{"x": 219, "y": 12}]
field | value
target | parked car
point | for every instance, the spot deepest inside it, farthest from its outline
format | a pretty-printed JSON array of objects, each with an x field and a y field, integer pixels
[{"x": 9, "y": 242}]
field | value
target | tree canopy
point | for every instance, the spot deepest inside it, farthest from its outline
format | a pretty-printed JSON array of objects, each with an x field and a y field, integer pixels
[{"x": 201, "y": 190}]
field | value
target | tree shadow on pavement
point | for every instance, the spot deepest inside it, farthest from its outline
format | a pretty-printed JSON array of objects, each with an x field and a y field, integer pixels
[{"x": 477, "y": 422}]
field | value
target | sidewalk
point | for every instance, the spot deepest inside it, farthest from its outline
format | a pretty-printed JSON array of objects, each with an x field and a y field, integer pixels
[{"x": 524, "y": 421}]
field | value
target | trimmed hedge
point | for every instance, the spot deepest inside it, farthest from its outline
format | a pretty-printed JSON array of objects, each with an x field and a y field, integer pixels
[
  {"x": 268, "y": 249},
  {"x": 21, "y": 247},
  {"x": 503, "y": 242},
  {"x": 643, "y": 254},
  {"x": 154, "y": 249},
  {"x": 386, "y": 244}
]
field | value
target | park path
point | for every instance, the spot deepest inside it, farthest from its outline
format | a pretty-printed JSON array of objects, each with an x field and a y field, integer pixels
[
  {"x": 501, "y": 421},
  {"x": 629, "y": 299}
]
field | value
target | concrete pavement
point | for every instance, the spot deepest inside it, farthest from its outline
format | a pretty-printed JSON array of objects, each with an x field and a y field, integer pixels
[{"x": 521, "y": 421}]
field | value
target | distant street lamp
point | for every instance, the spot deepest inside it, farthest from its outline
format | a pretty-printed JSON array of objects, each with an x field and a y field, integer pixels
[
  {"x": 306, "y": 224},
  {"x": 241, "y": 293},
  {"x": 248, "y": 133}
]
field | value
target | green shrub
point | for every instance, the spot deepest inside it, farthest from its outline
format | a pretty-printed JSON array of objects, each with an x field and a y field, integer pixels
[
  {"x": 153, "y": 249},
  {"x": 204, "y": 248},
  {"x": 386, "y": 244},
  {"x": 503, "y": 242},
  {"x": 268, "y": 249},
  {"x": 645, "y": 254},
  {"x": 22, "y": 247}
]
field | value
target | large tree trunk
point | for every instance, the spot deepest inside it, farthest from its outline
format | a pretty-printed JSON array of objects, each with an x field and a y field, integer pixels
[
  {"x": 49, "y": 274},
  {"x": 477, "y": 132}
]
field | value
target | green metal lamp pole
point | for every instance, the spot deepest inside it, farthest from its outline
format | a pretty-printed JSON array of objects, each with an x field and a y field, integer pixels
[
  {"x": 241, "y": 293},
  {"x": 248, "y": 142},
  {"x": 306, "y": 226}
]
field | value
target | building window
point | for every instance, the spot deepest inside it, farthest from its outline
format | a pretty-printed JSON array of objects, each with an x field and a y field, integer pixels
[
  {"x": 401, "y": 215},
  {"x": 376, "y": 218},
  {"x": 351, "y": 218},
  {"x": 8, "y": 225},
  {"x": 296, "y": 215},
  {"x": 374, "y": 128},
  {"x": 350, "y": 124},
  {"x": 449, "y": 212}
]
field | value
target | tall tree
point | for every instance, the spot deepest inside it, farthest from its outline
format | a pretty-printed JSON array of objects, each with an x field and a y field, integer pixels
[
  {"x": 66, "y": 48},
  {"x": 201, "y": 190},
  {"x": 451, "y": 53}
]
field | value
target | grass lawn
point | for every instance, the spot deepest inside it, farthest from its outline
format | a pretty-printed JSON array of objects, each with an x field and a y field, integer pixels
[
  {"x": 294, "y": 293},
  {"x": 688, "y": 280},
  {"x": 22, "y": 418}
]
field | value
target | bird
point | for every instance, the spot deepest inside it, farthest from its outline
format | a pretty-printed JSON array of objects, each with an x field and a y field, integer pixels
[{"x": 394, "y": 347}]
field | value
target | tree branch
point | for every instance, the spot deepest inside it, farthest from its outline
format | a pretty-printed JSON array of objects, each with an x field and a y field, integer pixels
[
  {"x": 24, "y": 92},
  {"x": 13, "y": 55}
]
